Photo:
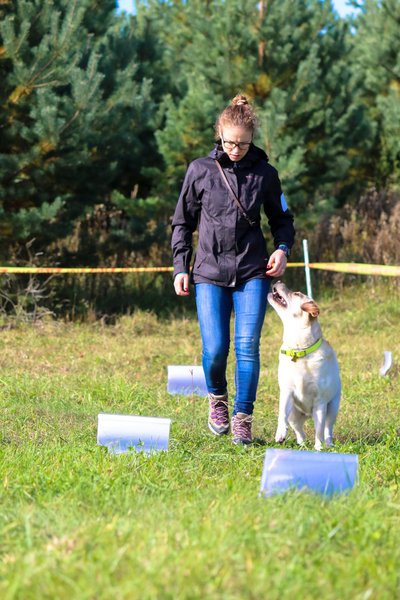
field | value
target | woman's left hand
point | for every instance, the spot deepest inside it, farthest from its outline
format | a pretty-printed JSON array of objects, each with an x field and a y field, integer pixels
[{"x": 277, "y": 264}]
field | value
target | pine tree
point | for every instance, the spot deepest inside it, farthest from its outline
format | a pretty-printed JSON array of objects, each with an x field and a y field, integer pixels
[
  {"x": 313, "y": 125},
  {"x": 188, "y": 130},
  {"x": 74, "y": 115},
  {"x": 377, "y": 67}
]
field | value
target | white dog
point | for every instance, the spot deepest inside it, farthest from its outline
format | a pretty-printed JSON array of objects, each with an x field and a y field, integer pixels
[{"x": 308, "y": 374}]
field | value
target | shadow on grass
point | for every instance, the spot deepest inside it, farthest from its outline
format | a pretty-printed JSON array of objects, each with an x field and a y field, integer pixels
[
  {"x": 94, "y": 296},
  {"x": 104, "y": 296},
  {"x": 258, "y": 441},
  {"x": 368, "y": 439}
]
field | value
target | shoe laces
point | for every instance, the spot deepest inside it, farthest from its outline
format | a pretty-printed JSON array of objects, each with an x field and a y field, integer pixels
[
  {"x": 219, "y": 409},
  {"x": 242, "y": 426}
]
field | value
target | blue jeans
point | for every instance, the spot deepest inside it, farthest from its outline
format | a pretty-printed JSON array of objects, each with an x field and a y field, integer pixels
[{"x": 214, "y": 308}]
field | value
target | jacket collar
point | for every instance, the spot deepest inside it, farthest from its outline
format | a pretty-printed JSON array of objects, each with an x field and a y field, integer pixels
[{"x": 253, "y": 156}]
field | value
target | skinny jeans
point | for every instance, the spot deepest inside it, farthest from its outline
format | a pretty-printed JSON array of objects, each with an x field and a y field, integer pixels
[{"x": 215, "y": 305}]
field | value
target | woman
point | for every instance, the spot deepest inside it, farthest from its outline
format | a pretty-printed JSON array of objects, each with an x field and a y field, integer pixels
[{"x": 223, "y": 194}]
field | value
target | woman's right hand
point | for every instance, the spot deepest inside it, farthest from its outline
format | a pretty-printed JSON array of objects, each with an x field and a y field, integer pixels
[{"x": 181, "y": 284}]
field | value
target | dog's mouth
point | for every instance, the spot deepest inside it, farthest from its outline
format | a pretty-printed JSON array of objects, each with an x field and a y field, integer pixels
[{"x": 278, "y": 298}]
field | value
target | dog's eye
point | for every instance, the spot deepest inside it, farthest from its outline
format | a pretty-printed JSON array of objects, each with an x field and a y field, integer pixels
[{"x": 296, "y": 293}]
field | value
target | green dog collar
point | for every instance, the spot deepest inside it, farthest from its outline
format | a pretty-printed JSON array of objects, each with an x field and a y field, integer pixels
[{"x": 295, "y": 354}]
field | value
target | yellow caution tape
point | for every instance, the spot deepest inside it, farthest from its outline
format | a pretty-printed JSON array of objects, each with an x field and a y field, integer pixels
[
  {"x": 357, "y": 268},
  {"x": 78, "y": 270}
]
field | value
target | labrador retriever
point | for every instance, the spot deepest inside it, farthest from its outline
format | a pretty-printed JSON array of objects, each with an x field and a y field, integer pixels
[{"x": 308, "y": 373}]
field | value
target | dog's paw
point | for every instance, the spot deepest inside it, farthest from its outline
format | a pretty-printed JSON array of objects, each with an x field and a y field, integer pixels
[
  {"x": 328, "y": 442},
  {"x": 300, "y": 438},
  {"x": 318, "y": 445},
  {"x": 281, "y": 434}
]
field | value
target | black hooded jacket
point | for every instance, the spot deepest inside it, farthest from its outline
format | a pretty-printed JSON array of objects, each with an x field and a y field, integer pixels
[{"x": 229, "y": 251}]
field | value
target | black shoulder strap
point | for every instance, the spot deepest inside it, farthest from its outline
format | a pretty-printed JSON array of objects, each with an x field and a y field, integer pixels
[{"x": 235, "y": 198}]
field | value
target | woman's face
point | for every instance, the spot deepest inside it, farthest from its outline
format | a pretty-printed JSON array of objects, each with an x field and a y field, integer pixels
[{"x": 236, "y": 141}]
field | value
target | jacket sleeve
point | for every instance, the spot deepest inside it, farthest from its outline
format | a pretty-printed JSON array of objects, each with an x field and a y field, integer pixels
[
  {"x": 280, "y": 218},
  {"x": 184, "y": 223}
]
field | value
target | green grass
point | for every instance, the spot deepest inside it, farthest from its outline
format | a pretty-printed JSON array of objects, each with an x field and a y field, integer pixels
[{"x": 76, "y": 522}]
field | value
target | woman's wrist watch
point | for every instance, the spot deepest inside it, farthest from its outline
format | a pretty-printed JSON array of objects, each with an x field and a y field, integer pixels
[{"x": 285, "y": 249}]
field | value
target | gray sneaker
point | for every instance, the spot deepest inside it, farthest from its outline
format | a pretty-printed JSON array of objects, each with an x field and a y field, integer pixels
[
  {"x": 241, "y": 428},
  {"x": 218, "y": 415}
]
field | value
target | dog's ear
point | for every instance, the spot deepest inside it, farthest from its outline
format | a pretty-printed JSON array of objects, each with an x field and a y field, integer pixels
[{"x": 311, "y": 308}]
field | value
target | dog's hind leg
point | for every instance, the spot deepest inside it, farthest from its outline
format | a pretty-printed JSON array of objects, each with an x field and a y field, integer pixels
[
  {"x": 319, "y": 416},
  {"x": 331, "y": 414},
  {"x": 296, "y": 422}
]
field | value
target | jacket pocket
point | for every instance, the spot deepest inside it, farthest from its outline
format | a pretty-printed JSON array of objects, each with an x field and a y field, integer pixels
[{"x": 198, "y": 261}]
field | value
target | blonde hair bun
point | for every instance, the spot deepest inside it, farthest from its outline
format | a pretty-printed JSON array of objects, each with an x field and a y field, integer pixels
[
  {"x": 239, "y": 100},
  {"x": 238, "y": 113}
]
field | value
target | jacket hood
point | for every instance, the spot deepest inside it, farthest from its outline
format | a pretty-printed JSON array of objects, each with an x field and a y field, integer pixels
[{"x": 254, "y": 155}]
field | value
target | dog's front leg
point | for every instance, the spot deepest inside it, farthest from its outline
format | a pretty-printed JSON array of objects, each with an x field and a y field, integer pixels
[
  {"x": 319, "y": 416},
  {"x": 285, "y": 408},
  {"x": 296, "y": 422}
]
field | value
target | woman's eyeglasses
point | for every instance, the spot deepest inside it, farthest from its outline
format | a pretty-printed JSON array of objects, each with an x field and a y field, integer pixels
[{"x": 232, "y": 145}]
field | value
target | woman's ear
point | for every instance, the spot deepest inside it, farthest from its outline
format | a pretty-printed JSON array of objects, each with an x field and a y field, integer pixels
[{"x": 311, "y": 308}]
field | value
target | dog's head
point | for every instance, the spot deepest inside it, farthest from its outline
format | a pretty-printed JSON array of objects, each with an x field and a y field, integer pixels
[{"x": 292, "y": 305}]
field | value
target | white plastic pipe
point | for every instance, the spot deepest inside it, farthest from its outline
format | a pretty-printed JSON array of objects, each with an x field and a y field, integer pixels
[
  {"x": 323, "y": 472},
  {"x": 187, "y": 380},
  {"x": 307, "y": 268},
  {"x": 122, "y": 433},
  {"x": 387, "y": 363}
]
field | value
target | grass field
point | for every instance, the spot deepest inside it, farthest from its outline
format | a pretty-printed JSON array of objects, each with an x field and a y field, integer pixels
[{"x": 76, "y": 522}]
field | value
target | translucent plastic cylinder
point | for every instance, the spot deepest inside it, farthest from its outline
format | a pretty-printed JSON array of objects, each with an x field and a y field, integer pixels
[
  {"x": 124, "y": 433},
  {"x": 187, "y": 380},
  {"x": 326, "y": 473}
]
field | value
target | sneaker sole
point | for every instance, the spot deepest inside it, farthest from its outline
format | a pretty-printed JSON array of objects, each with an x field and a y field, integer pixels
[
  {"x": 239, "y": 442},
  {"x": 224, "y": 432}
]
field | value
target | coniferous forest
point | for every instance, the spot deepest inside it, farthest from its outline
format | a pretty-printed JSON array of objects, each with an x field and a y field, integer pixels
[{"x": 100, "y": 114}]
